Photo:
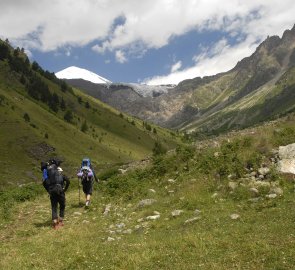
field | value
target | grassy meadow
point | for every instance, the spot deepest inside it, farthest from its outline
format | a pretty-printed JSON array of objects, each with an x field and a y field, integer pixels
[{"x": 119, "y": 232}]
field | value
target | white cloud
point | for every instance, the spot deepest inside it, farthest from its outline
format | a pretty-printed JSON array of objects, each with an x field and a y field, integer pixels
[
  {"x": 214, "y": 60},
  {"x": 176, "y": 66},
  {"x": 50, "y": 25},
  {"x": 120, "y": 57}
]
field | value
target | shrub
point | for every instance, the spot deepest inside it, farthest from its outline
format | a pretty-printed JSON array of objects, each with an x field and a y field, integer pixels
[{"x": 26, "y": 117}]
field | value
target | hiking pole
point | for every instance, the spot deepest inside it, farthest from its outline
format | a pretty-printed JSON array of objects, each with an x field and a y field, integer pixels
[{"x": 79, "y": 190}]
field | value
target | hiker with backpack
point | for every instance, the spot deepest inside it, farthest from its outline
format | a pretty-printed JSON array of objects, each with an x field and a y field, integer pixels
[
  {"x": 56, "y": 184},
  {"x": 86, "y": 174}
]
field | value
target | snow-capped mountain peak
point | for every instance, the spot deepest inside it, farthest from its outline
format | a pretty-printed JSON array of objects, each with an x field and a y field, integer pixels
[{"x": 80, "y": 73}]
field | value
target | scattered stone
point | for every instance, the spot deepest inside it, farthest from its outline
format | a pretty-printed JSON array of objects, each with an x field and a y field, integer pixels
[
  {"x": 259, "y": 183},
  {"x": 232, "y": 185},
  {"x": 156, "y": 213},
  {"x": 112, "y": 232},
  {"x": 137, "y": 227},
  {"x": 171, "y": 181},
  {"x": 214, "y": 195},
  {"x": 109, "y": 239},
  {"x": 261, "y": 176},
  {"x": 216, "y": 154},
  {"x": 253, "y": 173},
  {"x": 153, "y": 217},
  {"x": 122, "y": 171},
  {"x": 140, "y": 220},
  {"x": 234, "y": 216},
  {"x": 263, "y": 171},
  {"x": 152, "y": 190},
  {"x": 107, "y": 209},
  {"x": 277, "y": 190},
  {"x": 176, "y": 213},
  {"x": 191, "y": 220},
  {"x": 271, "y": 196},
  {"x": 77, "y": 213},
  {"x": 254, "y": 200},
  {"x": 85, "y": 221},
  {"x": 120, "y": 225},
  {"x": 197, "y": 212},
  {"x": 146, "y": 202},
  {"x": 254, "y": 191},
  {"x": 171, "y": 191},
  {"x": 128, "y": 231}
]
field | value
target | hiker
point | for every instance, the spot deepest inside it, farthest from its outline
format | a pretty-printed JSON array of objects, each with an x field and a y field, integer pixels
[
  {"x": 56, "y": 184},
  {"x": 86, "y": 174}
]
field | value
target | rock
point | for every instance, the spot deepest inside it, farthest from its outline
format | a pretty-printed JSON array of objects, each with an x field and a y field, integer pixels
[
  {"x": 171, "y": 181},
  {"x": 286, "y": 166},
  {"x": 216, "y": 154},
  {"x": 234, "y": 216},
  {"x": 156, "y": 213},
  {"x": 259, "y": 183},
  {"x": 77, "y": 213},
  {"x": 254, "y": 191},
  {"x": 153, "y": 217},
  {"x": 122, "y": 171},
  {"x": 140, "y": 220},
  {"x": 146, "y": 202},
  {"x": 253, "y": 173},
  {"x": 287, "y": 152},
  {"x": 128, "y": 231},
  {"x": 152, "y": 190},
  {"x": 191, "y": 220},
  {"x": 271, "y": 196},
  {"x": 254, "y": 200},
  {"x": 109, "y": 239},
  {"x": 214, "y": 195},
  {"x": 107, "y": 209},
  {"x": 112, "y": 232},
  {"x": 120, "y": 225},
  {"x": 197, "y": 212},
  {"x": 176, "y": 213},
  {"x": 85, "y": 221},
  {"x": 263, "y": 171},
  {"x": 277, "y": 190},
  {"x": 232, "y": 185}
]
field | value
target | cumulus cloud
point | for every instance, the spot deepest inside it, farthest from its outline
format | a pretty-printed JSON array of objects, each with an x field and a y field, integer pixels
[
  {"x": 176, "y": 66},
  {"x": 120, "y": 57},
  {"x": 212, "y": 61},
  {"x": 51, "y": 25}
]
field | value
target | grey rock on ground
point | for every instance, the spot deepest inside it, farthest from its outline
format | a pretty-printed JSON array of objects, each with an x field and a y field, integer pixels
[
  {"x": 146, "y": 202},
  {"x": 176, "y": 213}
]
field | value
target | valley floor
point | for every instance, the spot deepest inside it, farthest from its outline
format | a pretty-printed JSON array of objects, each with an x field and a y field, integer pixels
[{"x": 203, "y": 236}]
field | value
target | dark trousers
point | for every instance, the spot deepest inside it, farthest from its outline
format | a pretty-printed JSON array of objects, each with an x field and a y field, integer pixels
[{"x": 56, "y": 199}]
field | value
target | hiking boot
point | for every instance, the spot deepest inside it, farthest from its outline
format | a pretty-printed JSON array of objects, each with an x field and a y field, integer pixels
[
  {"x": 61, "y": 223},
  {"x": 87, "y": 203},
  {"x": 55, "y": 225}
]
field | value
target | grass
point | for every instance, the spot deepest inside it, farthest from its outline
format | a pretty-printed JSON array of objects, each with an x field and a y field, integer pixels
[
  {"x": 110, "y": 139},
  {"x": 261, "y": 238}
]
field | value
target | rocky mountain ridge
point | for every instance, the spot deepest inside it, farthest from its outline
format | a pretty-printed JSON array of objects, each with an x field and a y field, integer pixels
[{"x": 258, "y": 88}]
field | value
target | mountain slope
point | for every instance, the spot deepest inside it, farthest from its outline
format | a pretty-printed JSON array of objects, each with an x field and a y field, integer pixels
[
  {"x": 251, "y": 92},
  {"x": 194, "y": 218},
  {"x": 41, "y": 116}
]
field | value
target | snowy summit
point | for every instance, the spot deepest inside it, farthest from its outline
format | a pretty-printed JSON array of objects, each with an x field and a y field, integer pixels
[{"x": 80, "y": 73}]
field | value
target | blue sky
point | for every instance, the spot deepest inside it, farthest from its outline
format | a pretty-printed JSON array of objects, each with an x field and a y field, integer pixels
[{"x": 152, "y": 41}]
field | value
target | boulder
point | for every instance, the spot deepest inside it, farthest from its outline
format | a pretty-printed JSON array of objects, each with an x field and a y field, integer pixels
[{"x": 287, "y": 159}]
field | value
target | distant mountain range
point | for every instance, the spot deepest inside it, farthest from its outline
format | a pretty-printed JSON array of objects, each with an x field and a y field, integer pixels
[{"x": 260, "y": 87}]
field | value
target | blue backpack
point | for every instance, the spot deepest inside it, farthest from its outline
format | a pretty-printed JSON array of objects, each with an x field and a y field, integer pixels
[{"x": 86, "y": 162}]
